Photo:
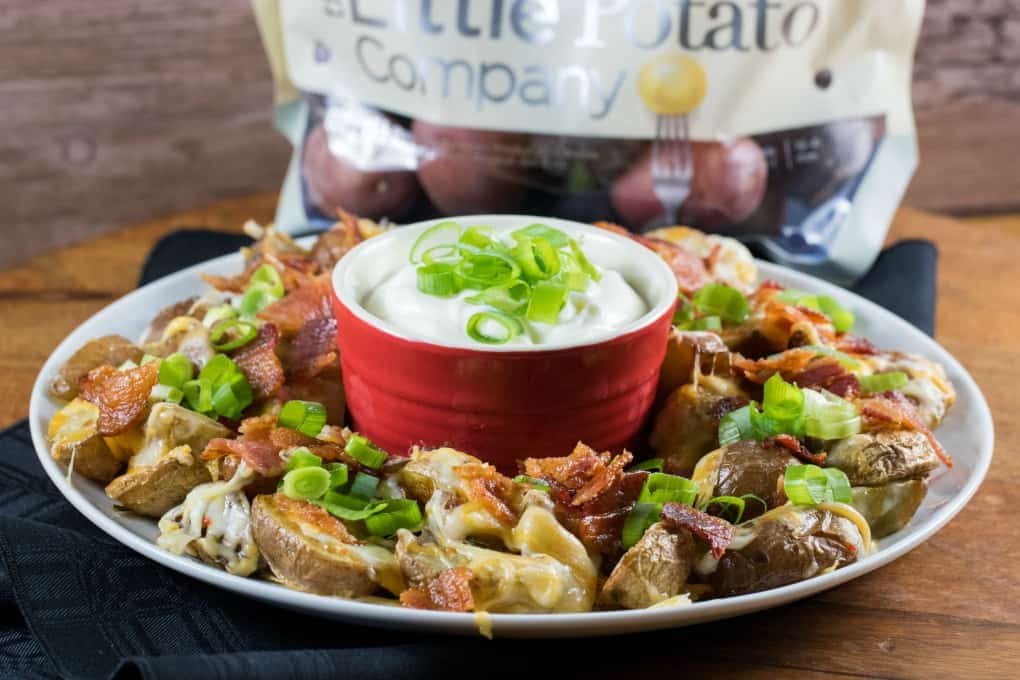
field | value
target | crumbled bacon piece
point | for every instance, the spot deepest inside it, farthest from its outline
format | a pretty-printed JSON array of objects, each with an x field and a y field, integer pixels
[
  {"x": 855, "y": 344},
  {"x": 691, "y": 271},
  {"x": 122, "y": 397},
  {"x": 797, "y": 449},
  {"x": 261, "y": 455},
  {"x": 805, "y": 368},
  {"x": 718, "y": 533},
  {"x": 259, "y": 363},
  {"x": 313, "y": 349},
  {"x": 334, "y": 244},
  {"x": 449, "y": 591},
  {"x": 294, "y": 310},
  {"x": 892, "y": 411},
  {"x": 491, "y": 489},
  {"x": 295, "y": 271}
]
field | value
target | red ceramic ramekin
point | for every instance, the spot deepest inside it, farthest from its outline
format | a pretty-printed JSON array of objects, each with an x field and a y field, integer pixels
[{"x": 501, "y": 404}]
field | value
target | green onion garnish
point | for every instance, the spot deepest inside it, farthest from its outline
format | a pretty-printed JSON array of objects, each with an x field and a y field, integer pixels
[
  {"x": 175, "y": 370},
  {"x": 547, "y": 299},
  {"x": 571, "y": 274},
  {"x": 845, "y": 359},
  {"x": 364, "y": 485},
  {"x": 718, "y": 299},
  {"x": 736, "y": 426},
  {"x": 582, "y": 260},
  {"x": 340, "y": 505},
  {"x": 338, "y": 474},
  {"x": 267, "y": 277},
  {"x": 842, "y": 318},
  {"x": 509, "y": 326},
  {"x": 306, "y": 483},
  {"x": 783, "y": 401},
  {"x": 438, "y": 279},
  {"x": 826, "y": 416},
  {"x": 511, "y": 297},
  {"x": 217, "y": 314},
  {"x": 556, "y": 238},
  {"x": 365, "y": 452},
  {"x": 663, "y": 488},
  {"x": 302, "y": 457},
  {"x": 402, "y": 513},
  {"x": 642, "y": 516},
  {"x": 883, "y": 382},
  {"x": 535, "y": 482},
  {"x": 307, "y": 417},
  {"x": 162, "y": 392},
  {"x": 243, "y": 332},
  {"x": 198, "y": 395},
  {"x": 232, "y": 397},
  {"x": 652, "y": 465},
  {"x": 479, "y": 237},
  {"x": 255, "y": 299},
  {"x": 487, "y": 269},
  {"x": 705, "y": 323},
  {"x": 811, "y": 485},
  {"x": 148, "y": 358},
  {"x": 731, "y": 508},
  {"x": 684, "y": 314},
  {"x": 537, "y": 257},
  {"x": 438, "y": 234}
]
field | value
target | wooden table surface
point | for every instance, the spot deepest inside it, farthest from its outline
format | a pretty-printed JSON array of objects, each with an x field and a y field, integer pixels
[{"x": 950, "y": 609}]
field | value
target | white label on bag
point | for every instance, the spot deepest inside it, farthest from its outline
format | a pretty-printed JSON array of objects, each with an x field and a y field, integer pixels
[{"x": 606, "y": 68}]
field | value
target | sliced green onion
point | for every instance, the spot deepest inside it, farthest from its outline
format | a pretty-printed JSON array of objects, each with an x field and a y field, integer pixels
[
  {"x": 736, "y": 426},
  {"x": 652, "y": 465},
  {"x": 537, "y": 257},
  {"x": 445, "y": 254},
  {"x": 219, "y": 369},
  {"x": 267, "y": 277},
  {"x": 365, "y": 452},
  {"x": 638, "y": 520},
  {"x": 127, "y": 365},
  {"x": 348, "y": 513},
  {"x": 244, "y": 332},
  {"x": 508, "y": 324},
  {"x": 826, "y": 416},
  {"x": 175, "y": 370},
  {"x": 555, "y": 237},
  {"x": 198, "y": 395},
  {"x": 148, "y": 359},
  {"x": 684, "y": 313},
  {"x": 302, "y": 457},
  {"x": 720, "y": 300},
  {"x": 706, "y": 323},
  {"x": 757, "y": 499},
  {"x": 232, "y": 397},
  {"x": 438, "y": 234},
  {"x": 783, "y": 401},
  {"x": 218, "y": 313},
  {"x": 487, "y": 269},
  {"x": 338, "y": 473},
  {"x": 535, "y": 482},
  {"x": 348, "y": 501},
  {"x": 883, "y": 382},
  {"x": 582, "y": 260},
  {"x": 166, "y": 393},
  {"x": 479, "y": 237},
  {"x": 402, "y": 513},
  {"x": 731, "y": 508},
  {"x": 364, "y": 485},
  {"x": 547, "y": 299},
  {"x": 663, "y": 488},
  {"x": 307, "y": 417},
  {"x": 438, "y": 279},
  {"x": 306, "y": 483},
  {"x": 811, "y": 485},
  {"x": 511, "y": 297},
  {"x": 839, "y": 485},
  {"x": 571, "y": 274},
  {"x": 841, "y": 317},
  {"x": 256, "y": 299}
]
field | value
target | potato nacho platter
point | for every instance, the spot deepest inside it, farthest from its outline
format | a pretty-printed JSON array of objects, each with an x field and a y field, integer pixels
[{"x": 586, "y": 433}]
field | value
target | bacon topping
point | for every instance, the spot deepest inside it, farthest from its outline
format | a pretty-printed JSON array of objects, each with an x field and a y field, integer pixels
[
  {"x": 691, "y": 271},
  {"x": 490, "y": 489},
  {"x": 855, "y": 344},
  {"x": 805, "y": 368},
  {"x": 892, "y": 411},
  {"x": 797, "y": 449},
  {"x": 334, "y": 244},
  {"x": 295, "y": 272},
  {"x": 718, "y": 533},
  {"x": 122, "y": 397},
  {"x": 259, "y": 363},
  {"x": 449, "y": 590}
]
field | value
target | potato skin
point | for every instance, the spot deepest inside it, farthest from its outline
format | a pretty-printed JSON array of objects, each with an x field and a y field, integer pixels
[
  {"x": 729, "y": 184},
  {"x": 153, "y": 489},
  {"x": 753, "y": 467},
  {"x": 682, "y": 350},
  {"x": 473, "y": 171},
  {"x": 889, "y": 508},
  {"x": 303, "y": 563},
  {"x": 72, "y": 434},
  {"x": 873, "y": 459},
  {"x": 111, "y": 350},
  {"x": 653, "y": 570},
  {"x": 334, "y": 183},
  {"x": 686, "y": 428}
]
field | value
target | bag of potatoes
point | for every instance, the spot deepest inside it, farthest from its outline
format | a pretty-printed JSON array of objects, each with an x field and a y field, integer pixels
[{"x": 784, "y": 123}]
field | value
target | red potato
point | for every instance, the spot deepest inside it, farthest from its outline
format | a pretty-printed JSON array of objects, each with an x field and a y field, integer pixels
[
  {"x": 729, "y": 184},
  {"x": 474, "y": 171},
  {"x": 334, "y": 183}
]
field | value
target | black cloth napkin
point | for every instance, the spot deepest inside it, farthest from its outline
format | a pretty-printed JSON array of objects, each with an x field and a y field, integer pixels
[{"x": 76, "y": 604}]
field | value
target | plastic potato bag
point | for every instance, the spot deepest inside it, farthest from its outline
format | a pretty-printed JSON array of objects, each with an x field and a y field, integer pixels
[{"x": 784, "y": 123}]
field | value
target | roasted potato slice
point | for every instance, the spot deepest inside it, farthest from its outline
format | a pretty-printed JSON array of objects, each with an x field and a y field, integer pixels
[
  {"x": 687, "y": 351},
  {"x": 153, "y": 489},
  {"x": 789, "y": 544},
  {"x": 686, "y": 428},
  {"x": 109, "y": 350},
  {"x": 171, "y": 425},
  {"x": 747, "y": 467},
  {"x": 73, "y": 438},
  {"x": 876, "y": 458},
  {"x": 430, "y": 470},
  {"x": 186, "y": 335},
  {"x": 652, "y": 571},
  {"x": 309, "y": 549},
  {"x": 928, "y": 388},
  {"x": 890, "y": 507}
]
